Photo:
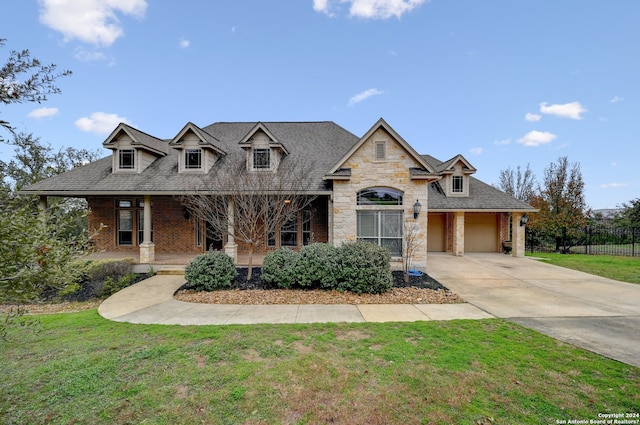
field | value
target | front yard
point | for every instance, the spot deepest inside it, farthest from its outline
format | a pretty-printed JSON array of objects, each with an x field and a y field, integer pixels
[
  {"x": 83, "y": 369},
  {"x": 624, "y": 269}
]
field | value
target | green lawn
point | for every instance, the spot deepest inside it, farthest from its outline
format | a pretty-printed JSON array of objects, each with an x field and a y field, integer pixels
[
  {"x": 82, "y": 369},
  {"x": 624, "y": 269}
]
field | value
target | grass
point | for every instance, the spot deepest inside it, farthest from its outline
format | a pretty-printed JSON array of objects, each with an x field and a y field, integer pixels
[
  {"x": 82, "y": 369},
  {"x": 624, "y": 269}
]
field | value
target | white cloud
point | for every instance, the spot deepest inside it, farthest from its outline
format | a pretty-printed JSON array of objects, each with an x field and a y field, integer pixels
[
  {"x": 613, "y": 185},
  {"x": 89, "y": 55},
  {"x": 370, "y": 9},
  {"x": 476, "y": 151},
  {"x": 43, "y": 113},
  {"x": 571, "y": 110},
  {"x": 92, "y": 21},
  {"x": 536, "y": 138},
  {"x": 502, "y": 142},
  {"x": 532, "y": 117},
  {"x": 364, "y": 95},
  {"x": 616, "y": 99},
  {"x": 184, "y": 43},
  {"x": 100, "y": 122}
]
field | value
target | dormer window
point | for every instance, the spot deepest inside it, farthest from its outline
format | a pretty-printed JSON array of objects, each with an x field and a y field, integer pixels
[
  {"x": 261, "y": 159},
  {"x": 457, "y": 184},
  {"x": 126, "y": 159},
  {"x": 193, "y": 159}
]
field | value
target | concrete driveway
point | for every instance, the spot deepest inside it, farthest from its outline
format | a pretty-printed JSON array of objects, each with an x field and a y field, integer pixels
[{"x": 598, "y": 314}]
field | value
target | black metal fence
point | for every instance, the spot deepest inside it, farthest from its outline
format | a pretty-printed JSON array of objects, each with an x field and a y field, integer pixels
[{"x": 598, "y": 239}]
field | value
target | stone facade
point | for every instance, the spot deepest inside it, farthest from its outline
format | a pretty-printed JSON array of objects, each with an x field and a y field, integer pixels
[{"x": 392, "y": 172}]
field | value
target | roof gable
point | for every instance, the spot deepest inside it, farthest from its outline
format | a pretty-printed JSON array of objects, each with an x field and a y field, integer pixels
[
  {"x": 448, "y": 167},
  {"x": 381, "y": 123},
  {"x": 139, "y": 140},
  {"x": 207, "y": 141},
  {"x": 245, "y": 142}
]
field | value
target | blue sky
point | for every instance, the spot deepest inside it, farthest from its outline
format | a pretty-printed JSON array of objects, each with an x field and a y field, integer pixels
[{"x": 502, "y": 82}]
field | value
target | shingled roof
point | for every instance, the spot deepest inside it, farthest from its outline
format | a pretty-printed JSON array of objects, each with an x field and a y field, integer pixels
[
  {"x": 482, "y": 197},
  {"x": 319, "y": 144}
]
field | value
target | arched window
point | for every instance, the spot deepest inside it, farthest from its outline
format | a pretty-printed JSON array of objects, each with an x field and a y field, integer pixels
[{"x": 381, "y": 196}]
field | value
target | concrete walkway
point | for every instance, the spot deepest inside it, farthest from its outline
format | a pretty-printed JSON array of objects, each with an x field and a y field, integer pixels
[
  {"x": 598, "y": 314},
  {"x": 151, "y": 302}
]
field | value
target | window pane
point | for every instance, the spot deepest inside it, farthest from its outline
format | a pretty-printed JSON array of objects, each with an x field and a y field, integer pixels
[
  {"x": 394, "y": 245},
  {"x": 125, "y": 221},
  {"x": 458, "y": 184},
  {"x": 127, "y": 159},
  {"x": 261, "y": 158},
  {"x": 391, "y": 223},
  {"x": 193, "y": 159},
  {"x": 367, "y": 224},
  {"x": 124, "y": 203},
  {"x": 379, "y": 196}
]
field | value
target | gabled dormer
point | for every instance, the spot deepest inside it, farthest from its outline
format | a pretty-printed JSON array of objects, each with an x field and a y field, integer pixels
[
  {"x": 263, "y": 150},
  {"x": 198, "y": 150},
  {"x": 133, "y": 150},
  {"x": 456, "y": 172}
]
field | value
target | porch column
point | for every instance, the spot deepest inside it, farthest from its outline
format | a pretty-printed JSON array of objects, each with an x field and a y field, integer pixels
[
  {"x": 231, "y": 248},
  {"x": 147, "y": 248},
  {"x": 458, "y": 233},
  {"x": 330, "y": 219},
  {"x": 518, "y": 236}
]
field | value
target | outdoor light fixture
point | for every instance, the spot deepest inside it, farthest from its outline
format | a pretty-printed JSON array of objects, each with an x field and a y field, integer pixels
[
  {"x": 186, "y": 213},
  {"x": 417, "y": 207},
  {"x": 524, "y": 220}
]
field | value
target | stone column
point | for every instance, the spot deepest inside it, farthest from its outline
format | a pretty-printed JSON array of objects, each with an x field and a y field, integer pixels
[
  {"x": 147, "y": 247},
  {"x": 231, "y": 248},
  {"x": 458, "y": 233},
  {"x": 518, "y": 236},
  {"x": 330, "y": 219}
]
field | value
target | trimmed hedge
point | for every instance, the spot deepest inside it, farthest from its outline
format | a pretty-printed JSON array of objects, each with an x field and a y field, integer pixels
[
  {"x": 364, "y": 268},
  {"x": 279, "y": 267},
  {"x": 210, "y": 271},
  {"x": 359, "y": 267},
  {"x": 318, "y": 266}
]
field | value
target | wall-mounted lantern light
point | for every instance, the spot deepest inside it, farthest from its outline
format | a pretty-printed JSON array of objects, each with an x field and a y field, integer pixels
[
  {"x": 417, "y": 207},
  {"x": 186, "y": 213},
  {"x": 524, "y": 220}
]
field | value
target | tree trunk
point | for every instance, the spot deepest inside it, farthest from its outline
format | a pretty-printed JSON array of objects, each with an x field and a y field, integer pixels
[{"x": 250, "y": 270}]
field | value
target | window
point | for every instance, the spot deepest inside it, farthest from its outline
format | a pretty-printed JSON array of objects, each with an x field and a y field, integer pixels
[
  {"x": 380, "y": 151},
  {"x": 379, "y": 196},
  {"x": 306, "y": 227},
  {"x": 457, "y": 184},
  {"x": 125, "y": 227},
  {"x": 289, "y": 233},
  {"x": 383, "y": 228},
  {"x": 193, "y": 159},
  {"x": 261, "y": 159},
  {"x": 126, "y": 159},
  {"x": 140, "y": 214}
]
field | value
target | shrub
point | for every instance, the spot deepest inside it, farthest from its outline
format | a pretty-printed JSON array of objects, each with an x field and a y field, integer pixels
[
  {"x": 210, "y": 271},
  {"x": 279, "y": 267},
  {"x": 364, "y": 268},
  {"x": 318, "y": 266},
  {"x": 110, "y": 285}
]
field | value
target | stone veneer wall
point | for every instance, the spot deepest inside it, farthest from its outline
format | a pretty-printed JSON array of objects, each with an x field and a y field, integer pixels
[{"x": 393, "y": 172}]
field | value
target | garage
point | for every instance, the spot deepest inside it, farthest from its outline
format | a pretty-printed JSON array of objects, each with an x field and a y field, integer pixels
[
  {"x": 481, "y": 232},
  {"x": 436, "y": 229}
]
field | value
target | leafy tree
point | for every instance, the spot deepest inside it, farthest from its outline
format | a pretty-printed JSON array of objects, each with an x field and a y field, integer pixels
[
  {"x": 630, "y": 214},
  {"x": 24, "y": 79},
  {"x": 563, "y": 210},
  {"x": 517, "y": 183}
]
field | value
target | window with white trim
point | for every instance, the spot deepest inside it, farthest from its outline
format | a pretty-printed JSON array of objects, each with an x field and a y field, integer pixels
[
  {"x": 261, "y": 159},
  {"x": 382, "y": 228},
  {"x": 457, "y": 184},
  {"x": 193, "y": 159},
  {"x": 126, "y": 159}
]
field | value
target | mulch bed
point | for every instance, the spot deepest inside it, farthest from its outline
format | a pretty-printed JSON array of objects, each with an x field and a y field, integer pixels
[{"x": 418, "y": 290}]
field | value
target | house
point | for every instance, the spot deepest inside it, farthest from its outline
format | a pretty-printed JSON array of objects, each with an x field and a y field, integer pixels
[{"x": 375, "y": 187}]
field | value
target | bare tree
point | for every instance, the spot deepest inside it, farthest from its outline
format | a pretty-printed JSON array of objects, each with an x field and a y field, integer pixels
[
  {"x": 517, "y": 183},
  {"x": 251, "y": 205},
  {"x": 411, "y": 242}
]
